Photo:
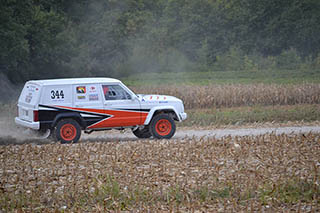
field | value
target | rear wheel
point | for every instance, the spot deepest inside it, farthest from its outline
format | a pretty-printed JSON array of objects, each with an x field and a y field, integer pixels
[
  {"x": 68, "y": 131},
  {"x": 142, "y": 132},
  {"x": 162, "y": 126}
]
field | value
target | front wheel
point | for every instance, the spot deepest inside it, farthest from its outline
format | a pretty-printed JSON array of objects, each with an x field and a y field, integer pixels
[
  {"x": 68, "y": 131},
  {"x": 162, "y": 126}
]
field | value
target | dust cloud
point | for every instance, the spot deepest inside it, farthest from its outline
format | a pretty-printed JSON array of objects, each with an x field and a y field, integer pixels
[
  {"x": 9, "y": 92},
  {"x": 10, "y": 133}
]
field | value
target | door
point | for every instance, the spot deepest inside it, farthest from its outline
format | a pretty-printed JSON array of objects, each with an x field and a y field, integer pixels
[
  {"x": 122, "y": 107},
  {"x": 89, "y": 102}
]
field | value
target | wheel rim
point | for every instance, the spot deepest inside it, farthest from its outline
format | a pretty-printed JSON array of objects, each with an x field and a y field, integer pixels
[
  {"x": 163, "y": 127},
  {"x": 68, "y": 132}
]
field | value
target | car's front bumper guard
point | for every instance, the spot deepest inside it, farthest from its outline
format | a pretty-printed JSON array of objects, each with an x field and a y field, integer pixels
[{"x": 183, "y": 116}]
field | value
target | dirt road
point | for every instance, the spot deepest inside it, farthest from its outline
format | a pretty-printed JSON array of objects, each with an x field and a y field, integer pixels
[
  {"x": 218, "y": 133},
  {"x": 15, "y": 135}
]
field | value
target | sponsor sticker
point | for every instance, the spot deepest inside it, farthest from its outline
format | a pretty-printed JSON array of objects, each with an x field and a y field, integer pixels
[
  {"x": 28, "y": 98},
  {"x": 81, "y": 97},
  {"x": 81, "y": 90},
  {"x": 93, "y": 97},
  {"x": 92, "y": 89},
  {"x": 31, "y": 88}
]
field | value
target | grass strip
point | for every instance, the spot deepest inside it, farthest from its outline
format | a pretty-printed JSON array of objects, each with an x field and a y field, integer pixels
[
  {"x": 255, "y": 114},
  {"x": 225, "y": 77}
]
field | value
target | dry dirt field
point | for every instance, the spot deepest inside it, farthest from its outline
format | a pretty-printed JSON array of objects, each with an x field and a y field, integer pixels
[{"x": 268, "y": 172}]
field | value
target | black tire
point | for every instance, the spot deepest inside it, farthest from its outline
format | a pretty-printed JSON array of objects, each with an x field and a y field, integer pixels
[
  {"x": 142, "y": 132},
  {"x": 162, "y": 126},
  {"x": 67, "y": 131}
]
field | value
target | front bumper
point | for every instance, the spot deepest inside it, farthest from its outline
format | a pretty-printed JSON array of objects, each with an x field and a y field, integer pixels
[
  {"x": 32, "y": 125},
  {"x": 183, "y": 116}
]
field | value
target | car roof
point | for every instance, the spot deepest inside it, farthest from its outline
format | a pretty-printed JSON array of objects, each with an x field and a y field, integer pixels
[{"x": 63, "y": 81}]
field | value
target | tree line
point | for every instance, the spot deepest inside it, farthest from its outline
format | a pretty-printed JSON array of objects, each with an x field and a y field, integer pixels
[{"x": 73, "y": 38}]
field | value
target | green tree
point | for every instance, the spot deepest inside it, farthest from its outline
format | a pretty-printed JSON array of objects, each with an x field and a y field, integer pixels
[
  {"x": 32, "y": 41},
  {"x": 271, "y": 26},
  {"x": 14, "y": 48}
]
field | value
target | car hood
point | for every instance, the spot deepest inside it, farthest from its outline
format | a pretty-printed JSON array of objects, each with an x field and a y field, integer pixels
[{"x": 158, "y": 98}]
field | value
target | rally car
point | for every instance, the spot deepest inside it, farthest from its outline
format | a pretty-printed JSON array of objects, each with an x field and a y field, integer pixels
[{"x": 64, "y": 107}]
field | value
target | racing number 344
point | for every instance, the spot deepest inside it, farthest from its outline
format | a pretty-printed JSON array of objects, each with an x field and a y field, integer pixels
[{"x": 56, "y": 94}]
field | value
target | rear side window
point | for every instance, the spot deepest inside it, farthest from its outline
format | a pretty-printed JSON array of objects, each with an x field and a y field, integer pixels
[
  {"x": 115, "y": 92},
  {"x": 30, "y": 94}
]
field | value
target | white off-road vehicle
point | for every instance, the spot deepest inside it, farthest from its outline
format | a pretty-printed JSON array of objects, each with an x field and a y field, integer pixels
[{"x": 64, "y": 107}]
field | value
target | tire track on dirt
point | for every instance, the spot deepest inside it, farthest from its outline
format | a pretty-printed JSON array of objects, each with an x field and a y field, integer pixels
[
  {"x": 218, "y": 133},
  {"x": 26, "y": 137}
]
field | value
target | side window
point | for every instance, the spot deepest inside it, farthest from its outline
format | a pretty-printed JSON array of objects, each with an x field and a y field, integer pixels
[{"x": 115, "y": 92}]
